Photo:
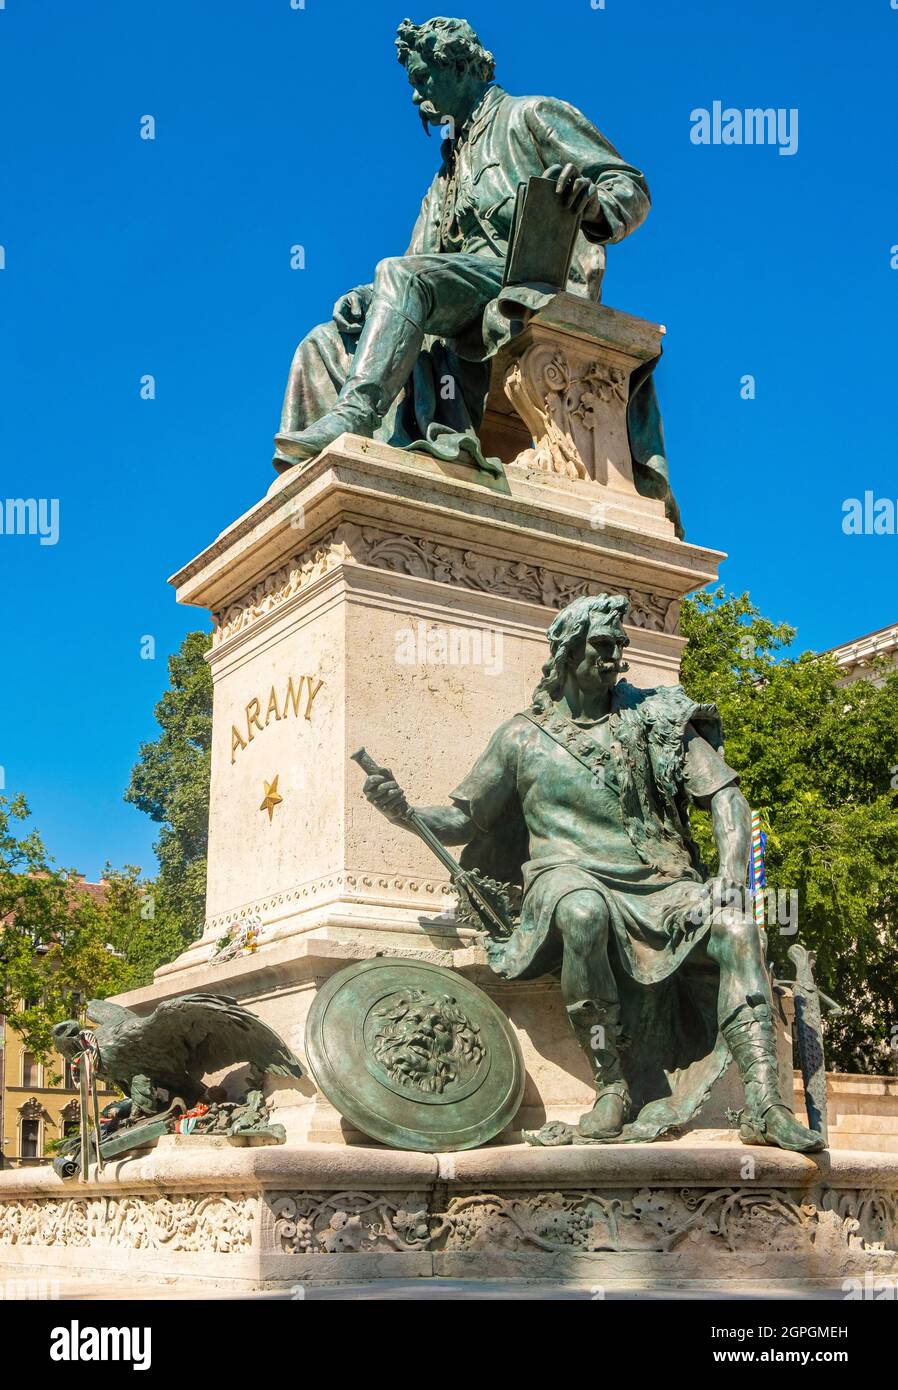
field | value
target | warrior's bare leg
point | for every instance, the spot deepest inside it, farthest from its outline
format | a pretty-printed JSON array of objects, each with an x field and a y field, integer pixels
[
  {"x": 745, "y": 1015},
  {"x": 590, "y": 993}
]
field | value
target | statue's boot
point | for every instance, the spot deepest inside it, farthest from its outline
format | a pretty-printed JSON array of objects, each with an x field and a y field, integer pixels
[
  {"x": 766, "y": 1119},
  {"x": 384, "y": 360},
  {"x": 596, "y": 1026}
]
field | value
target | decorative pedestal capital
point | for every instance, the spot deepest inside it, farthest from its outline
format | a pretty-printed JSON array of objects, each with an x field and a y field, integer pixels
[{"x": 568, "y": 378}]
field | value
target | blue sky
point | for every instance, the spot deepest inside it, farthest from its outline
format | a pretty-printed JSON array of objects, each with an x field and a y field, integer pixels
[{"x": 275, "y": 126}]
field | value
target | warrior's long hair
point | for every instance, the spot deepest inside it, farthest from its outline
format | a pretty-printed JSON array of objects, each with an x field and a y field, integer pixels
[{"x": 570, "y": 627}]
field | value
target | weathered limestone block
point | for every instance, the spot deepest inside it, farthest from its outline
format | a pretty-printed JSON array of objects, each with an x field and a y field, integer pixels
[
  {"x": 384, "y": 598},
  {"x": 569, "y": 380},
  {"x": 712, "y": 1216}
]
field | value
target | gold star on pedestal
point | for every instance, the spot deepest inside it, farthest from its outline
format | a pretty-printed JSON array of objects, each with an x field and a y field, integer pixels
[{"x": 271, "y": 798}]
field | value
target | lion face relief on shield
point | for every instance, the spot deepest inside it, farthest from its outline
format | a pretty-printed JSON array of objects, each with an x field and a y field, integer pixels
[{"x": 426, "y": 1042}]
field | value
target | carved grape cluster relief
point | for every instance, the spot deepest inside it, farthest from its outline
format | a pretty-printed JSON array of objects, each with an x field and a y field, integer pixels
[{"x": 218, "y": 1223}]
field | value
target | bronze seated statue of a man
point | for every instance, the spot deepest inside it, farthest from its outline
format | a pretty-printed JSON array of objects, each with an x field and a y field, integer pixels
[
  {"x": 407, "y": 359},
  {"x": 583, "y": 800}
]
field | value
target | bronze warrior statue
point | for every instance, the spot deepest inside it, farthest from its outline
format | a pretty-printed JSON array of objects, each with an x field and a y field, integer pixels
[
  {"x": 440, "y": 312},
  {"x": 583, "y": 800}
]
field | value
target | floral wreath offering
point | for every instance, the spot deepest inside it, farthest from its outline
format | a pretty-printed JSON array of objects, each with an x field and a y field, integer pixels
[
  {"x": 244, "y": 937},
  {"x": 186, "y": 1123}
]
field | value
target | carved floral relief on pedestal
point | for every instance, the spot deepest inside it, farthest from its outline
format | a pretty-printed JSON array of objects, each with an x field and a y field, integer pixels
[
  {"x": 660, "y": 1220},
  {"x": 822, "y": 1223},
  {"x": 423, "y": 558},
  {"x": 215, "y": 1223},
  {"x": 576, "y": 410}
]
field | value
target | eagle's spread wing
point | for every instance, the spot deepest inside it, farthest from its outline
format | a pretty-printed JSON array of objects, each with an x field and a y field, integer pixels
[
  {"x": 207, "y": 1032},
  {"x": 103, "y": 1012}
]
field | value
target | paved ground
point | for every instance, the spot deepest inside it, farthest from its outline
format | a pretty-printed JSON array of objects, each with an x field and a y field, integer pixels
[{"x": 439, "y": 1289}]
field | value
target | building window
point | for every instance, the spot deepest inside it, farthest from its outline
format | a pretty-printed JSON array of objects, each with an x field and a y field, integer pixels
[
  {"x": 69, "y": 1128},
  {"x": 31, "y": 1138},
  {"x": 31, "y": 1070}
]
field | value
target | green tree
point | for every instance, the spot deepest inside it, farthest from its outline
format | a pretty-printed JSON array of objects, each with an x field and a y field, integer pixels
[
  {"x": 817, "y": 761},
  {"x": 60, "y": 944},
  {"x": 56, "y": 939},
  {"x": 170, "y": 782},
  {"x": 63, "y": 942}
]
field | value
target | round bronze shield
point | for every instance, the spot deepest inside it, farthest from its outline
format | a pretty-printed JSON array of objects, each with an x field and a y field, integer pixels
[{"x": 414, "y": 1055}]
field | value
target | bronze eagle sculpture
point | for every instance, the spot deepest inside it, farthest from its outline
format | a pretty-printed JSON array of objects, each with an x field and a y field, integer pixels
[{"x": 167, "y": 1054}]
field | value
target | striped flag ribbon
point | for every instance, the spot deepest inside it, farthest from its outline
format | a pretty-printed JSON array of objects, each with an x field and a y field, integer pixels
[{"x": 757, "y": 876}]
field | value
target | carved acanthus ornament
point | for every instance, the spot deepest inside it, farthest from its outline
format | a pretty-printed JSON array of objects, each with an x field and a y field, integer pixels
[
  {"x": 315, "y": 1223},
  {"x": 423, "y": 558},
  {"x": 576, "y": 410},
  {"x": 325, "y": 555},
  {"x": 658, "y": 1220},
  {"x": 427, "y": 559},
  {"x": 664, "y": 1219}
]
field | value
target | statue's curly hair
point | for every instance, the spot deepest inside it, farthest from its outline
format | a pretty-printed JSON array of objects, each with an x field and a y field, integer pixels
[
  {"x": 448, "y": 41},
  {"x": 570, "y": 627}
]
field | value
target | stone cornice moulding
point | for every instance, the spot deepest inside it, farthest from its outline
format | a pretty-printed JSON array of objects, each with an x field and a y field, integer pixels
[
  {"x": 364, "y": 887},
  {"x": 421, "y": 557},
  {"x": 413, "y": 490}
]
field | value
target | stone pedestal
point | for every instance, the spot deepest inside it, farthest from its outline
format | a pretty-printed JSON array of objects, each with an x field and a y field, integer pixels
[
  {"x": 381, "y": 598},
  {"x": 378, "y": 597},
  {"x": 678, "y": 1217},
  {"x": 566, "y": 380}
]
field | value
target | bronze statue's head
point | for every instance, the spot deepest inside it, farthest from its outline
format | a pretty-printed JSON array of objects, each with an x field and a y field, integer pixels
[
  {"x": 587, "y": 638},
  {"x": 447, "y": 65}
]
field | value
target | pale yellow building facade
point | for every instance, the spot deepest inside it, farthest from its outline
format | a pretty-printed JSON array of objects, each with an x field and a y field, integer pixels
[{"x": 39, "y": 1102}]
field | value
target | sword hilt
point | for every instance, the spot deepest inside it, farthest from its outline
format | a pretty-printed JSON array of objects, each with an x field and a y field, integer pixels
[{"x": 367, "y": 763}]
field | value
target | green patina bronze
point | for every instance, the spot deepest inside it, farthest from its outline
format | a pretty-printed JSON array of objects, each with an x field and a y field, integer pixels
[
  {"x": 582, "y": 802},
  {"x": 809, "y": 1005},
  {"x": 414, "y": 1055},
  {"x": 159, "y": 1063},
  {"x": 440, "y": 312},
  {"x": 167, "y": 1053}
]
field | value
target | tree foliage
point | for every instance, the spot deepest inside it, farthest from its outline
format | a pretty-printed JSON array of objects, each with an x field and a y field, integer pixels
[
  {"x": 61, "y": 941},
  {"x": 170, "y": 782},
  {"x": 818, "y": 760}
]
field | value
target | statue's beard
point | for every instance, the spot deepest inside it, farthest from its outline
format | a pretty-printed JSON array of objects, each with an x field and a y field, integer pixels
[
  {"x": 417, "y": 1057},
  {"x": 428, "y": 114},
  {"x": 415, "y": 1060}
]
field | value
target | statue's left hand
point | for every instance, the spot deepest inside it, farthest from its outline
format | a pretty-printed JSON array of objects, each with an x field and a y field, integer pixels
[
  {"x": 576, "y": 191},
  {"x": 350, "y": 310}
]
